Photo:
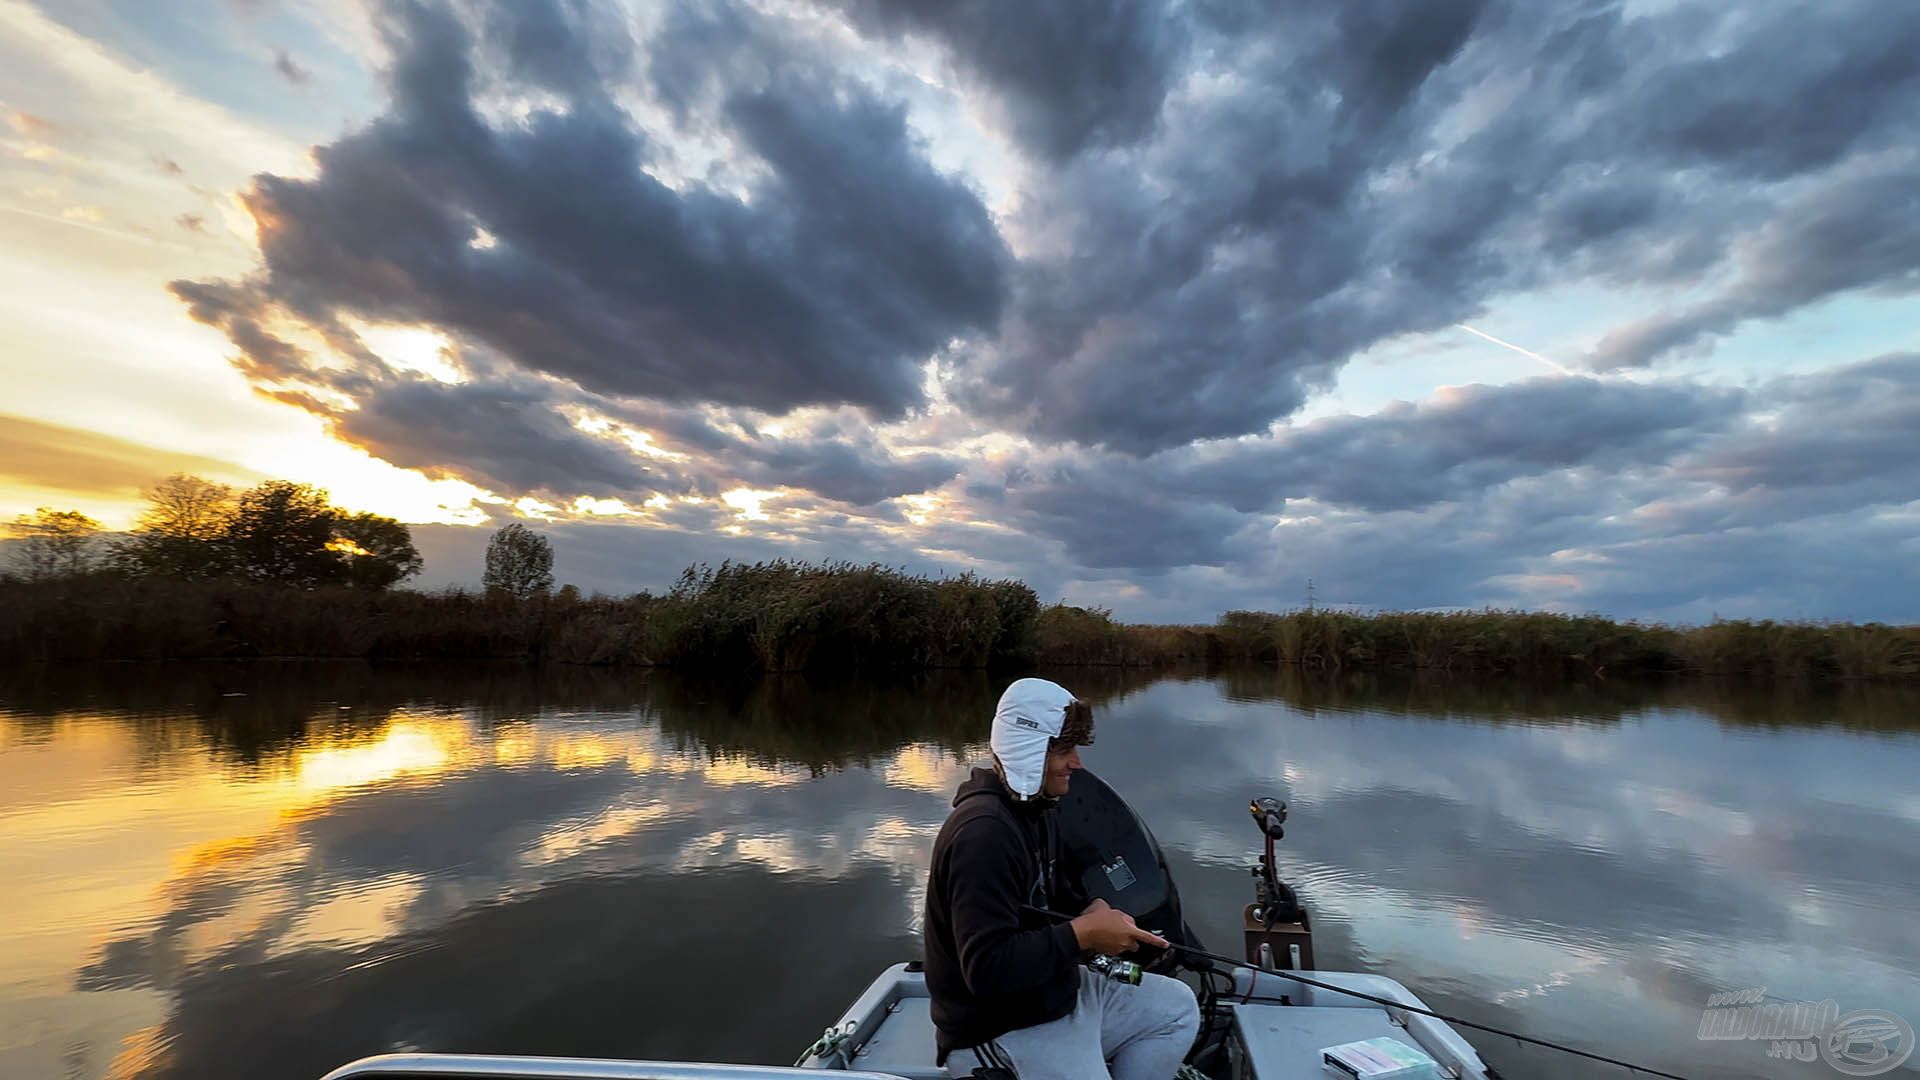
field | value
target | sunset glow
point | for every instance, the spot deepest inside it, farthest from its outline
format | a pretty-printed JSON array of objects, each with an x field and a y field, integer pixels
[{"x": 1176, "y": 333}]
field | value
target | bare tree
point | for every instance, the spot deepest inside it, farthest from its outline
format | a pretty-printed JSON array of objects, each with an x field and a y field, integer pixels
[
  {"x": 182, "y": 532},
  {"x": 55, "y": 544},
  {"x": 188, "y": 507},
  {"x": 519, "y": 562}
]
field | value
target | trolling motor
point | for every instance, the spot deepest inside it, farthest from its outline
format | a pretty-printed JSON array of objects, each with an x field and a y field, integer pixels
[{"x": 1278, "y": 930}]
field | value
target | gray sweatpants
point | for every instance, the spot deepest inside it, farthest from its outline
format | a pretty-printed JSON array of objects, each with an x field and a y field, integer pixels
[{"x": 1138, "y": 1032}]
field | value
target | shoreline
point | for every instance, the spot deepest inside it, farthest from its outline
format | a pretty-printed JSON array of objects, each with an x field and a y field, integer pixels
[{"x": 793, "y": 617}]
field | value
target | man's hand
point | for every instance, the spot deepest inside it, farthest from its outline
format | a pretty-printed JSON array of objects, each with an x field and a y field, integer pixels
[
  {"x": 1097, "y": 905},
  {"x": 1109, "y": 932}
]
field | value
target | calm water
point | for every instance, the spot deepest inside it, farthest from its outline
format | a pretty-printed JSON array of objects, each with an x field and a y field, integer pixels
[{"x": 267, "y": 871}]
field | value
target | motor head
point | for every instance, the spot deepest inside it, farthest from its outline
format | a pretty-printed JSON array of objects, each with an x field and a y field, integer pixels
[{"x": 1270, "y": 814}]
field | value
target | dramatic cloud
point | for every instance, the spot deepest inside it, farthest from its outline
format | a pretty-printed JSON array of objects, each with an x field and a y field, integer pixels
[
  {"x": 850, "y": 468},
  {"x": 1039, "y": 294},
  {"x": 1460, "y": 444},
  {"x": 547, "y": 239},
  {"x": 1862, "y": 232},
  {"x": 1330, "y": 181},
  {"x": 1840, "y": 440},
  {"x": 503, "y": 434},
  {"x": 1801, "y": 446},
  {"x": 1067, "y": 77}
]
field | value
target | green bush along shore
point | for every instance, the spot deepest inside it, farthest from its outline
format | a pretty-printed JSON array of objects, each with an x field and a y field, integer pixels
[{"x": 791, "y": 616}]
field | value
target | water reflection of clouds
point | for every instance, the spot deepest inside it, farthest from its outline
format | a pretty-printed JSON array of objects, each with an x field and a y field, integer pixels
[
  {"x": 1621, "y": 851},
  {"x": 411, "y": 746},
  {"x": 1619, "y": 868},
  {"x": 928, "y": 769},
  {"x": 356, "y": 837},
  {"x": 430, "y": 815}
]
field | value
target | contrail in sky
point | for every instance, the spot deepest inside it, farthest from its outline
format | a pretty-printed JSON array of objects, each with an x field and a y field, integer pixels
[
  {"x": 1529, "y": 353},
  {"x": 103, "y": 230}
]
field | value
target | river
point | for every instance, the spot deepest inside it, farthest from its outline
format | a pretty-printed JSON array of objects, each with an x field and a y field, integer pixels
[{"x": 267, "y": 870}]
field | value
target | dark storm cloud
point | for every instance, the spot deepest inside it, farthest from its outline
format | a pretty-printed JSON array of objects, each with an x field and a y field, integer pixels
[
  {"x": 1861, "y": 232},
  {"x": 1461, "y": 443},
  {"x": 1104, "y": 524},
  {"x": 1356, "y": 173},
  {"x": 1216, "y": 207},
  {"x": 503, "y": 432},
  {"x": 1068, "y": 76},
  {"x": 1832, "y": 443},
  {"x": 1567, "y": 492},
  {"x": 1440, "y": 556},
  {"x": 1854, "y": 561},
  {"x": 1856, "y": 424},
  {"x": 1763, "y": 104},
  {"x": 849, "y": 264},
  {"x": 1202, "y": 506},
  {"x": 514, "y": 435},
  {"x": 569, "y": 46},
  {"x": 1224, "y": 270},
  {"x": 236, "y": 310},
  {"x": 500, "y": 434},
  {"x": 1793, "y": 506},
  {"x": 844, "y": 466}
]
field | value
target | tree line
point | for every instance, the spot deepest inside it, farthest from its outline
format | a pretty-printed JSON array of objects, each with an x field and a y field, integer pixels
[
  {"x": 277, "y": 532},
  {"x": 277, "y": 570}
]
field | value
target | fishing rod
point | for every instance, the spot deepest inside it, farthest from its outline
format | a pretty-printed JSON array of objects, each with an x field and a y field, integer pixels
[{"x": 1219, "y": 958}]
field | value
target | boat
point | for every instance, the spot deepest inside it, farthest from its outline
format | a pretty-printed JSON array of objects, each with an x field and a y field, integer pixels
[{"x": 1271, "y": 1016}]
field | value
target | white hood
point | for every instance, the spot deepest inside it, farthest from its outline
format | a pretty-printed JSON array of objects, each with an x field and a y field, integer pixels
[{"x": 1030, "y": 712}]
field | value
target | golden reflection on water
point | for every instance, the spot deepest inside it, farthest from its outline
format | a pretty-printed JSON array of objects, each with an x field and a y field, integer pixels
[
  {"x": 326, "y": 867},
  {"x": 102, "y": 835},
  {"x": 411, "y": 746},
  {"x": 931, "y": 769}
]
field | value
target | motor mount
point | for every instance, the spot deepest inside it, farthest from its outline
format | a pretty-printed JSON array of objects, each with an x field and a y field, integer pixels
[{"x": 1278, "y": 928}]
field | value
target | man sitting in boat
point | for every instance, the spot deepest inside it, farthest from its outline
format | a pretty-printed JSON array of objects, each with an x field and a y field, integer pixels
[{"x": 1007, "y": 985}]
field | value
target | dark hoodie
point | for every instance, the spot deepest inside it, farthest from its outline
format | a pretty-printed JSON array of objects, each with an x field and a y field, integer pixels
[{"x": 992, "y": 965}]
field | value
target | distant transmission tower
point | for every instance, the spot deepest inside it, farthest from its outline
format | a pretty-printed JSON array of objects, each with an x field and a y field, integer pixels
[{"x": 1309, "y": 595}]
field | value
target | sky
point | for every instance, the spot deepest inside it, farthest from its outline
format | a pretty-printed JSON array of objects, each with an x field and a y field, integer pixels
[{"x": 1169, "y": 307}]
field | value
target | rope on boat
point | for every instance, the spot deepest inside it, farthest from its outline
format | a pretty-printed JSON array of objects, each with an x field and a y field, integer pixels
[{"x": 832, "y": 1043}]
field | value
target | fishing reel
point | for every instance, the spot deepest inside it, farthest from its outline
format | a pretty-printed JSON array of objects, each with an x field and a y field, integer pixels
[{"x": 1114, "y": 968}]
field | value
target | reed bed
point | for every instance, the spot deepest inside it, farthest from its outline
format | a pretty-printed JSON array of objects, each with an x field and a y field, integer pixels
[{"x": 791, "y": 616}]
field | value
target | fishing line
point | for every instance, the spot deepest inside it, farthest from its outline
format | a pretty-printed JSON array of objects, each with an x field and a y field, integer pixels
[{"x": 1386, "y": 1002}]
